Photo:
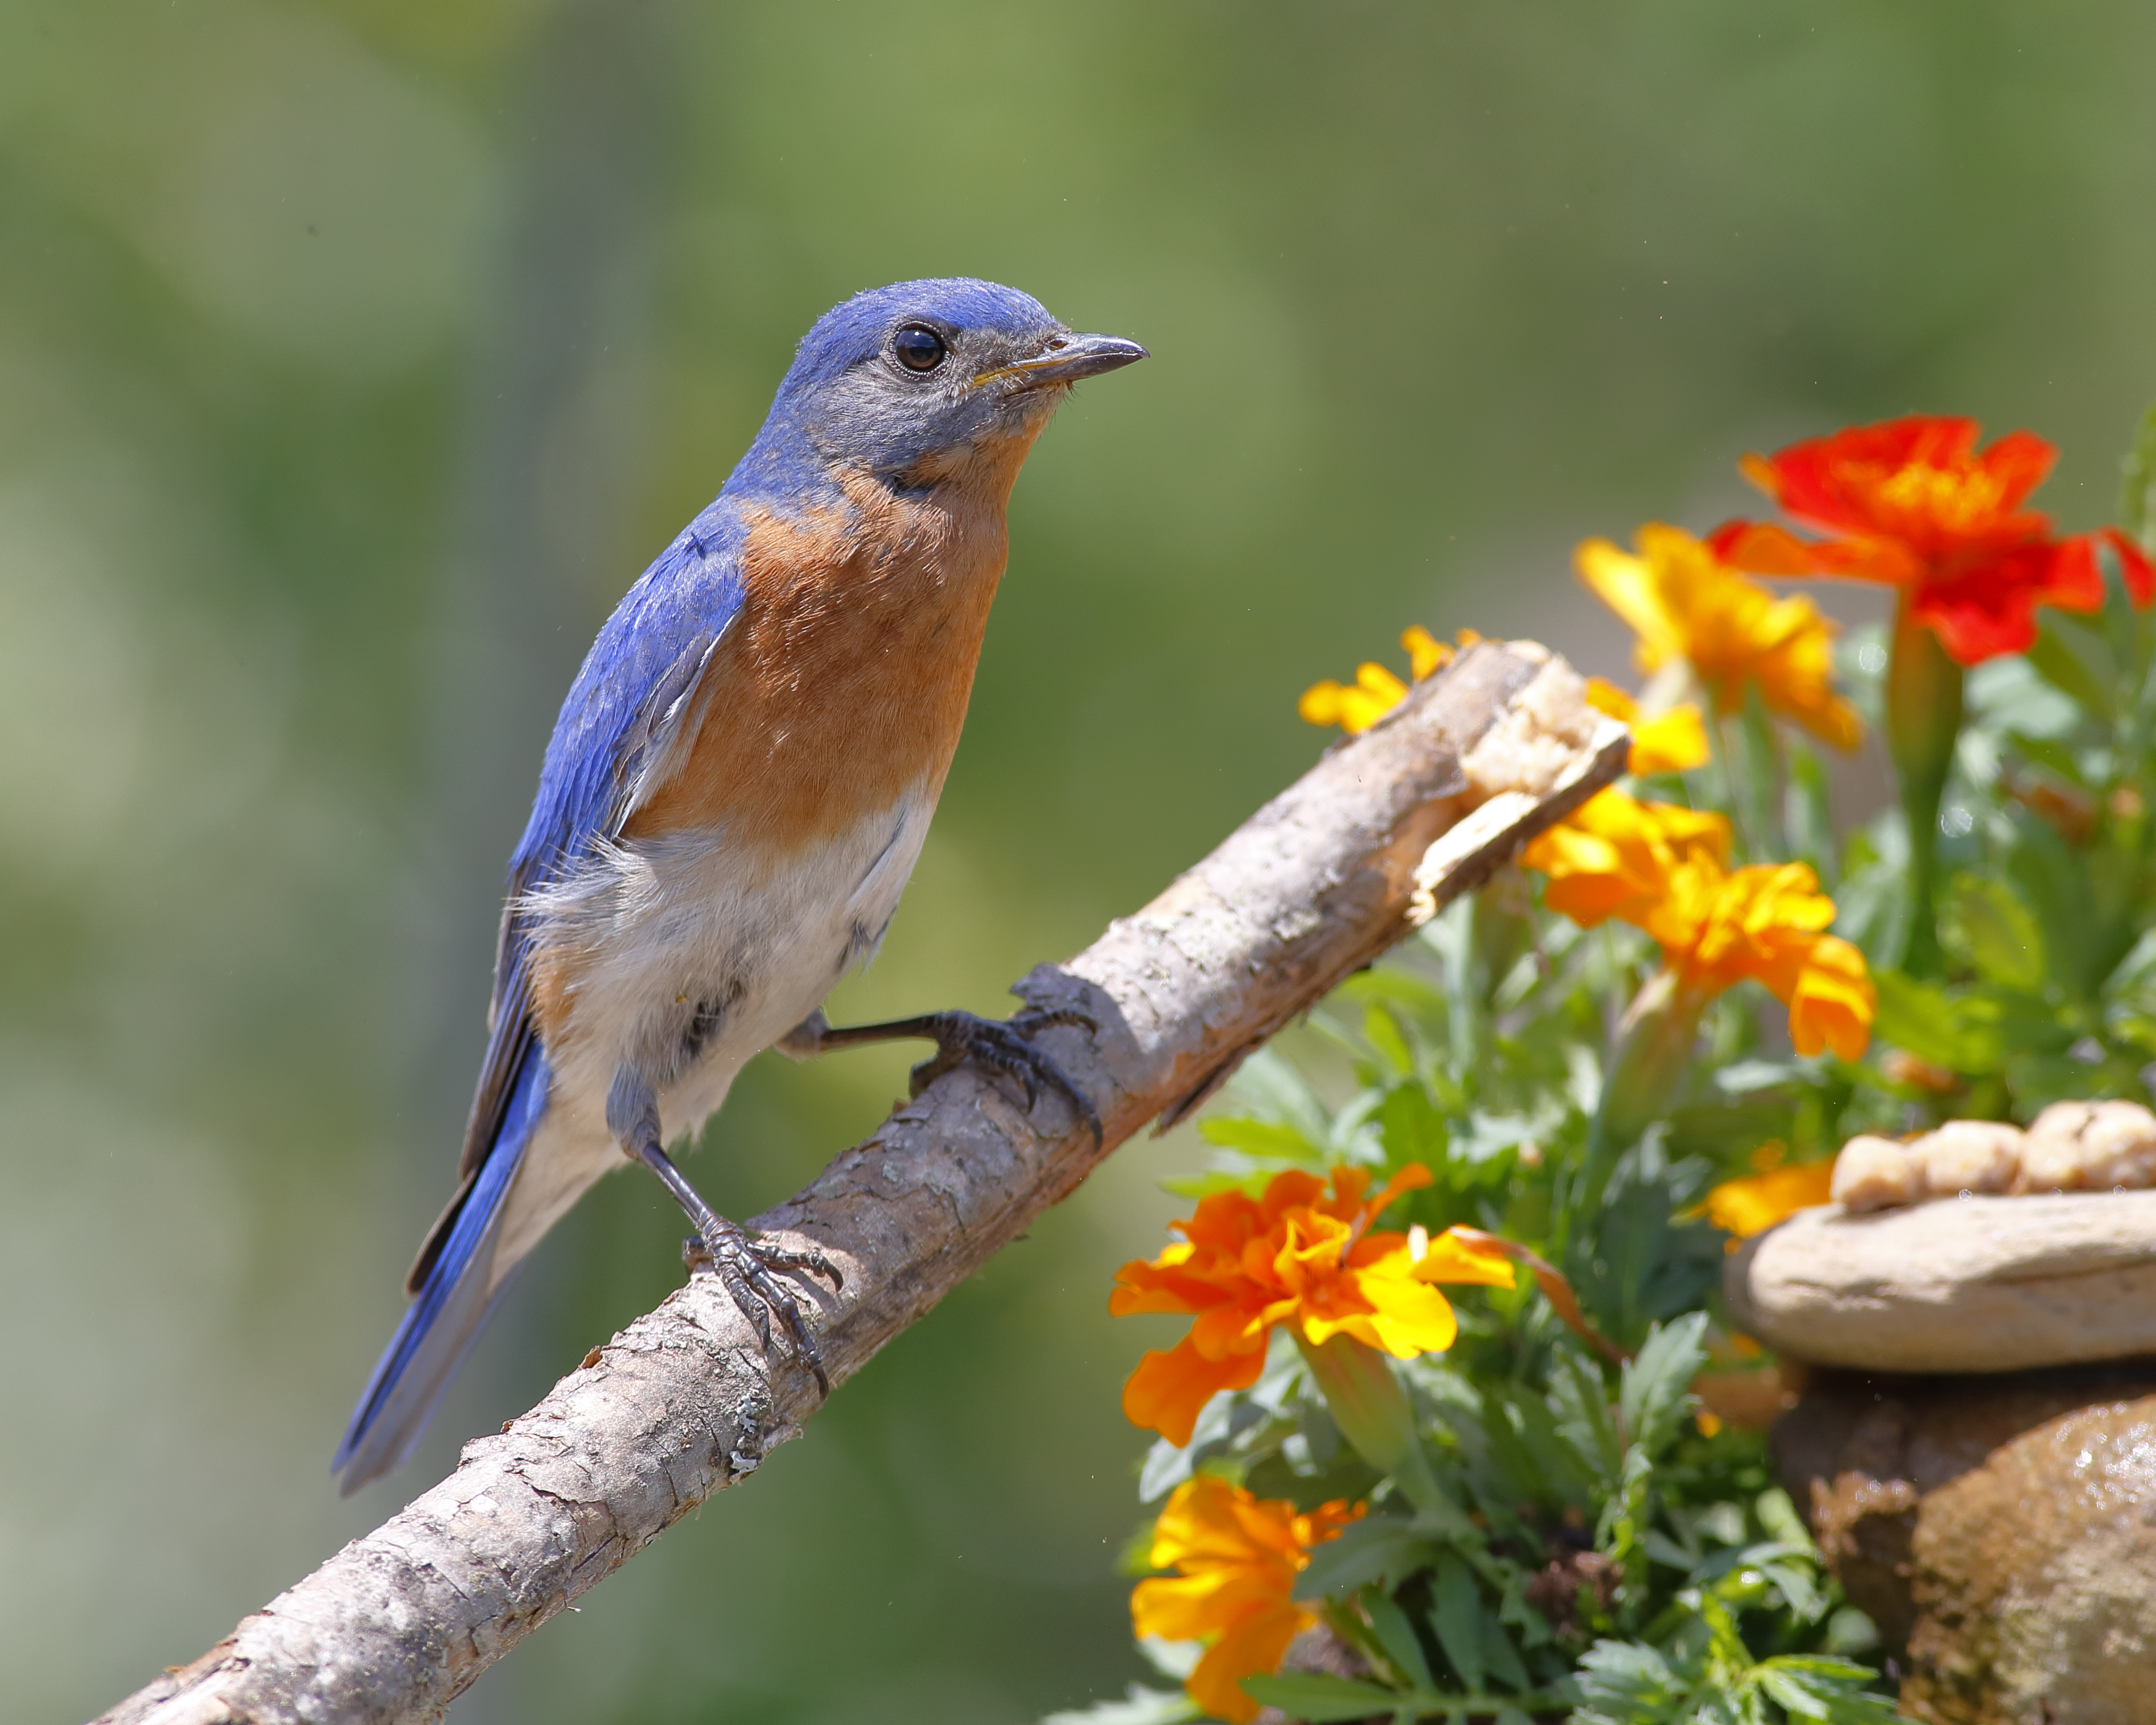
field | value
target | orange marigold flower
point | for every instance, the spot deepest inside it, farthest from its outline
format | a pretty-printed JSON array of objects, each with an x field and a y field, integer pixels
[
  {"x": 1756, "y": 1203},
  {"x": 1684, "y": 601},
  {"x": 1356, "y": 706},
  {"x": 1831, "y": 996},
  {"x": 1295, "y": 1256},
  {"x": 1236, "y": 1557},
  {"x": 1672, "y": 742},
  {"x": 1914, "y": 503},
  {"x": 1767, "y": 923},
  {"x": 1664, "y": 869}
]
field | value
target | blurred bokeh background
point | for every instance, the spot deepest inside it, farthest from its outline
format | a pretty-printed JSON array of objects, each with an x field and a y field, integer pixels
[{"x": 355, "y": 355}]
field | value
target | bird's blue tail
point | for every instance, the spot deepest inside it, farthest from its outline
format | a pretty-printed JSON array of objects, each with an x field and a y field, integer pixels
[{"x": 461, "y": 1290}]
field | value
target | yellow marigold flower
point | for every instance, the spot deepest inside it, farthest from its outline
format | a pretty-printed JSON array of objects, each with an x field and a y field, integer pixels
[
  {"x": 1237, "y": 1558},
  {"x": 1353, "y": 707},
  {"x": 1426, "y": 652},
  {"x": 1685, "y": 603},
  {"x": 1672, "y": 742},
  {"x": 1756, "y": 1203},
  {"x": 1615, "y": 856},
  {"x": 1294, "y": 1256},
  {"x": 1356, "y": 706},
  {"x": 1664, "y": 869}
]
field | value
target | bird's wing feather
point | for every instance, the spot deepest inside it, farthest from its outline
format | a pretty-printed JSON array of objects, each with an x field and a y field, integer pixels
[
  {"x": 619, "y": 738},
  {"x": 612, "y": 745}
]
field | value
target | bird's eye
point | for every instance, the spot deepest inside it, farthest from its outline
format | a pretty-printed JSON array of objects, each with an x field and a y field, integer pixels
[{"x": 918, "y": 347}]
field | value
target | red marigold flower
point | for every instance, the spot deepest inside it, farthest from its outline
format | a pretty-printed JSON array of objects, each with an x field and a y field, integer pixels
[{"x": 1914, "y": 503}]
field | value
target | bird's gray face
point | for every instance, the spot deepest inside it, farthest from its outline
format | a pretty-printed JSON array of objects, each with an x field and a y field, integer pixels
[{"x": 935, "y": 393}]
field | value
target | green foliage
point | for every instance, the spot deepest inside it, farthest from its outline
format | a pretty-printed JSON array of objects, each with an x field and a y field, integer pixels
[
  {"x": 2137, "y": 486},
  {"x": 1552, "y": 1523},
  {"x": 1584, "y": 1524},
  {"x": 2045, "y": 883},
  {"x": 1140, "y": 1706},
  {"x": 1705, "y": 1675}
]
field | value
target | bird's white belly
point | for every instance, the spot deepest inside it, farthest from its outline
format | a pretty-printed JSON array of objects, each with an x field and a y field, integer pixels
[{"x": 685, "y": 959}]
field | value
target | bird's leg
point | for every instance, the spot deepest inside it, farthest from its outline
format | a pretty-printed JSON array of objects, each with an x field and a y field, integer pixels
[
  {"x": 960, "y": 1036},
  {"x": 719, "y": 1246}
]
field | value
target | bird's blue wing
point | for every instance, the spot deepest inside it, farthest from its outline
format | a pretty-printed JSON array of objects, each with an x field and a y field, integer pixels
[
  {"x": 632, "y": 693},
  {"x": 627, "y": 707}
]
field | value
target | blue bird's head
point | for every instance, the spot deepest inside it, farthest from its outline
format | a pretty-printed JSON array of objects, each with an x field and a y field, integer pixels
[{"x": 917, "y": 382}]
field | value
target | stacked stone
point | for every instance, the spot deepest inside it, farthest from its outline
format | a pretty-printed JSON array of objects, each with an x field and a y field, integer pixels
[
  {"x": 2071, "y": 1147},
  {"x": 1976, "y": 1444}
]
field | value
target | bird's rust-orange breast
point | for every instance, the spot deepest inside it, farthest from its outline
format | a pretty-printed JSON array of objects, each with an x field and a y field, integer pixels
[{"x": 843, "y": 683}]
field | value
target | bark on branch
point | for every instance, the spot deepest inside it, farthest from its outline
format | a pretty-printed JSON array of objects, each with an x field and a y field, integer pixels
[{"x": 1379, "y": 834}]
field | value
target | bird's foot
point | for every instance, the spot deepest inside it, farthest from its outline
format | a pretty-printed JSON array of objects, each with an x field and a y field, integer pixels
[
  {"x": 744, "y": 1267},
  {"x": 1005, "y": 1046}
]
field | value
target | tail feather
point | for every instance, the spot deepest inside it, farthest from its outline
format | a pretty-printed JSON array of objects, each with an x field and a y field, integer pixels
[{"x": 462, "y": 1287}]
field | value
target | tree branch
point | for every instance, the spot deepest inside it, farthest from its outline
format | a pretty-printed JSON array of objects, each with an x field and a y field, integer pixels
[{"x": 1385, "y": 830}]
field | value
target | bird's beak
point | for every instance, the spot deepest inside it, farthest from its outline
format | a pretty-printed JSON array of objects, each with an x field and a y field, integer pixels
[{"x": 1067, "y": 358}]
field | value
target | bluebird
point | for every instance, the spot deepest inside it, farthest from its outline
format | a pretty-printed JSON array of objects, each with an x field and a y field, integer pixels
[{"x": 734, "y": 797}]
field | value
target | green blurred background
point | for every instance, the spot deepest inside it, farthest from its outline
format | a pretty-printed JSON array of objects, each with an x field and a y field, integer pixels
[{"x": 355, "y": 355}]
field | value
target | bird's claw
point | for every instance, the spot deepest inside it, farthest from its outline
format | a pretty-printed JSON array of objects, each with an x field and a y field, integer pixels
[
  {"x": 1007, "y": 1047},
  {"x": 744, "y": 1267}
]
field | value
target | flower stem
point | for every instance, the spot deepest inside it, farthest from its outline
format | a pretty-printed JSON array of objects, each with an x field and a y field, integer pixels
[
  {"x": 1374, "y": 1415},
  {"x": 1654, "y": 1050},
  {"x": 1555, "y": 1289},
  {"x": 1478, "y": 957},
  {"x": 1763, "y": 775},
  {"x": 1923, "y": 715},
  {"x": 1751, "y": 777}
]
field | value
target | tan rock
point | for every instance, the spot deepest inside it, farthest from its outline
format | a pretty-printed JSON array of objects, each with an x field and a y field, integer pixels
[
  {"x": 2120, "y": 1140},
  {"x": 2000, "y": 1531},
  {"x": 1969, "y": 1156},
  {"x": 1975, "y": 1285},
  {"x": 2034, "y": 1578},
  {"x": 2090, "y": 1147},
  {"x": 2051, "y": 1152},
  {"x": 1873, "y": 1174}
]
